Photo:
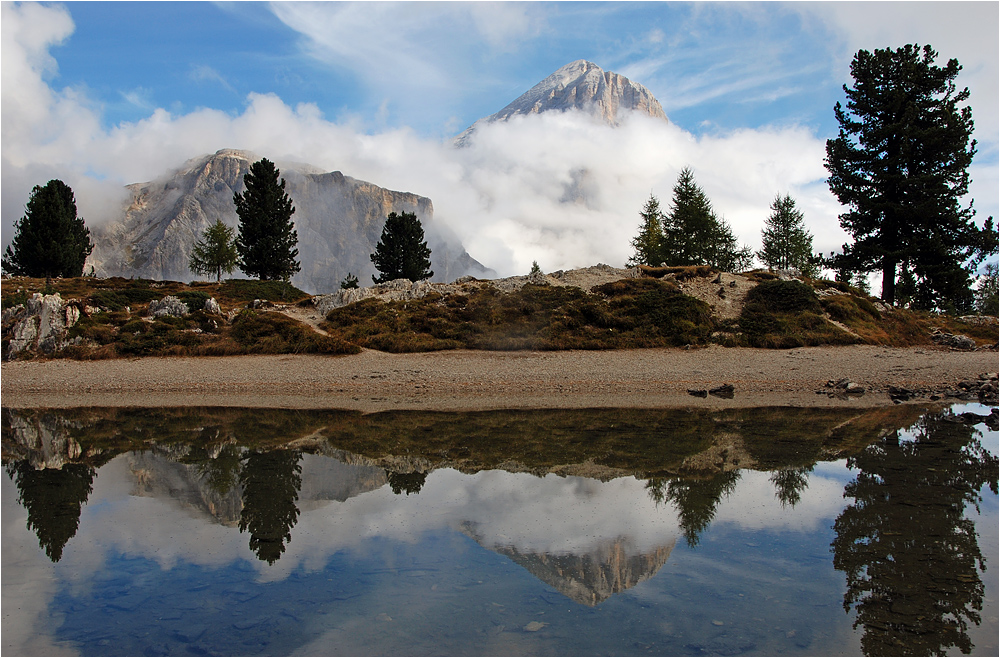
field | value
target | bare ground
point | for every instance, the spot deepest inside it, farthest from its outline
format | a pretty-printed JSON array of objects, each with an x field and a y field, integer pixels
[{"x": 466, "y": 380}]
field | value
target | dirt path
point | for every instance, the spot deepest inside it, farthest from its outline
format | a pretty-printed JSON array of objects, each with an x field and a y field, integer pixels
[{"x": 475, "y": 380}]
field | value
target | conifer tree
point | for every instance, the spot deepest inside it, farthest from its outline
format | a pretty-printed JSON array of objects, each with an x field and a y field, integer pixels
[
  {"x": 786, "y": 243},
  {"x": 215, "y": 253},
  {"x": 694, "y": 235},
  {"x": 49, "y": 240},
  {"x": 900, "y": 165},
  {"x": 402, "y": 253},
  {"x": 649, "y": 242},
  {"x": 267, "y": 237}
]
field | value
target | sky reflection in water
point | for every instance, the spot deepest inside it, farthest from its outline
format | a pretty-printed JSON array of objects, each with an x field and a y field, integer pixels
[{"x": 318, "y": 550}]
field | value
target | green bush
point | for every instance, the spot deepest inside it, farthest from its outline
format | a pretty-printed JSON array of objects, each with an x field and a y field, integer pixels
[
  {"x": 246, "y": 290},
  {"x": 274, "y": 333},
  {"x": 116, "y": 300}
]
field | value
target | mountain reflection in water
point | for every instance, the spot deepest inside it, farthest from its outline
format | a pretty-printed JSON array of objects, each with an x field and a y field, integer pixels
[{"x": 589, "y": 503}]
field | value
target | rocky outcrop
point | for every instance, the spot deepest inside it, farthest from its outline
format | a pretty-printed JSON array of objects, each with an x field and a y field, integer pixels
[
  {"x": 40, "y": 324},
  {"x": 169, "y": 305},
  {"x": 338, "y": 220},
  {"x": 584, "y": 86}
]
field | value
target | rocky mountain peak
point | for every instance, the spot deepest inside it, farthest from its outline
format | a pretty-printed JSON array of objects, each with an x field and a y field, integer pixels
[{"x": 581, "y": 85}]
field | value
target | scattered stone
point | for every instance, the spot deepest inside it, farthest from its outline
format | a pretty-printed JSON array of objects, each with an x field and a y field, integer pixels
[
  {"x": 900, "y": 394},
  {"x": 169, "y": 305},
  {"x": 698, "y": 393},
  {"x": 725, "y": 391},
  {"x": 535, "y": 626},
  {"x": 954, "y": 341},
  {"x": 212, "y": 306}
]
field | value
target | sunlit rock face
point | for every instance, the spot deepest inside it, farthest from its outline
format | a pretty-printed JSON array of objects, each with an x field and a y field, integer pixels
[
  {"x": 580, "y": 85},
  {"x": 338, "y": 220}
]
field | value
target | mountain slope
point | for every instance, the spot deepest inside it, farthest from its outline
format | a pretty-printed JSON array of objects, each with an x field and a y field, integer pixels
[
  {"x": 580, "y": 85},
  {"x": 338, "y": 219}
]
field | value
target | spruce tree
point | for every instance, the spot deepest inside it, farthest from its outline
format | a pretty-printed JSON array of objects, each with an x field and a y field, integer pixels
[
  {"x": 648, "y": 244},
  {"x": 694, "y": 235},
  {"x": 900, "y": 165},
  {"x": 786, "y": 243},
  {"x": 49, "y": 240},
  {"x": 402, "y": 253},
  {"x": 215, "y": 253},
  {"x": 267, "y": 237}
]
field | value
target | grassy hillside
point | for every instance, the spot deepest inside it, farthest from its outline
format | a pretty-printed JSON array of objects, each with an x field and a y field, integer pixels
[{"x": 652, "y": 311}]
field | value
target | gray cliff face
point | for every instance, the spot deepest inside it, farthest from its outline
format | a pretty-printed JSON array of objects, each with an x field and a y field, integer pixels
[
  {"x": 580, "y": 85},
  {"x": 338, "y": 220}
]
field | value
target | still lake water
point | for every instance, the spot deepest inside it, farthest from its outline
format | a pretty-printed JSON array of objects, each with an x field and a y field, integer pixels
[{"x": 604, "y": 532}]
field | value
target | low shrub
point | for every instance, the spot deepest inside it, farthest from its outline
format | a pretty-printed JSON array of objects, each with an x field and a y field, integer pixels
[
  {"x": 786, "y": 314},
  {"x": 246, "y": 290}
]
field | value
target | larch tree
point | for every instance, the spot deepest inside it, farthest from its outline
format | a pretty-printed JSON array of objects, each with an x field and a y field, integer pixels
[
  {"x": 266, "y": 243},
  {"x": 900, "y": 166},
  {"x": 215, "y": 252},
  {"x": 786, "y": 244},
  {"x": 647, "y": 245},
  {"x": 49, "y": 240}
]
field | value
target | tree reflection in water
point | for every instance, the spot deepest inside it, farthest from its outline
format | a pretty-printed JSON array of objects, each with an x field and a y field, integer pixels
[
  {"x": 408, "y": 483},
  {"x": 271, "y": 482},
  {"x": 789, "y": 483},
  {"x": 695, "y": 499},
  {"x": 53, "y": 498},
  {"x": 911, "y": 557}
]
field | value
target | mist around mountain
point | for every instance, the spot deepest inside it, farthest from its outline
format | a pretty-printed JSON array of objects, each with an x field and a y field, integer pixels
[{"x": 338, "y": 219}]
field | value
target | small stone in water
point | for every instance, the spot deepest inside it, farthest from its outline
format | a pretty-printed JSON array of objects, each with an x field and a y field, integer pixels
[
  {"x": 716, "y": 622},
  {"x": 534, "y": 626}
]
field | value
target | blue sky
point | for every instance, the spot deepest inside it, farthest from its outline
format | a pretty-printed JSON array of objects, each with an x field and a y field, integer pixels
[{"x": 104, "y": 94}]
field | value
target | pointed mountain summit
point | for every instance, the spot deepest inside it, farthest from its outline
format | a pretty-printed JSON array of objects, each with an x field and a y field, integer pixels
[{"x": 580, "y": 85}]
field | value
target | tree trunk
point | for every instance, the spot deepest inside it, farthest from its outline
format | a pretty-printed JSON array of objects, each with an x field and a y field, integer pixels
[{"x": 889, "y": 282}]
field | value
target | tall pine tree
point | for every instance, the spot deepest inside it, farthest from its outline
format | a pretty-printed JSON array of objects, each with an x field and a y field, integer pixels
[
  {"x": 402, "y": 253},
  {"x": 694, "y": 235},
  {"x": 267, "y": 237},
  {"x": 786, "y": 244},
  {"x": 900, "y": 165},
  {"x": 49, "y": 240}
]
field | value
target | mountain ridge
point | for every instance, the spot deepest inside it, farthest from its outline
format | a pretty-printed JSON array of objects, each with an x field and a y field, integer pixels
[{"x": 338, "y": 219}]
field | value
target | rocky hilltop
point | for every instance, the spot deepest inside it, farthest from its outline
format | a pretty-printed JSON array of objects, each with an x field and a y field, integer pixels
[
  {"x": 580, "y": 85},
  {"x": 339, "y": 220}
]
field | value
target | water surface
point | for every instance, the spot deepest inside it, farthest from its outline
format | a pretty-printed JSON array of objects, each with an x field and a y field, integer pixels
[{"x": 677, "y": 532}]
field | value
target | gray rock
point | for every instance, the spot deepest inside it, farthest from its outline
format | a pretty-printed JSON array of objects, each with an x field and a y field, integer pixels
[
  {"x": 169, "y": 305},
  {"x": 40, "y": 325},
  {"x": 212, "y": 306}
]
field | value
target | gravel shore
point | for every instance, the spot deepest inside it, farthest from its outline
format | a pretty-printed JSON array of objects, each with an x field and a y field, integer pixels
[{"x": 469, "y": 380}]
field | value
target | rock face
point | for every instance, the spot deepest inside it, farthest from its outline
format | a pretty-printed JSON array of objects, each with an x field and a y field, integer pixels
[
  {"x": 580, "y": 85},
  {"x": 39, "y": 325},
  {"x": 338, "y": 220}
]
